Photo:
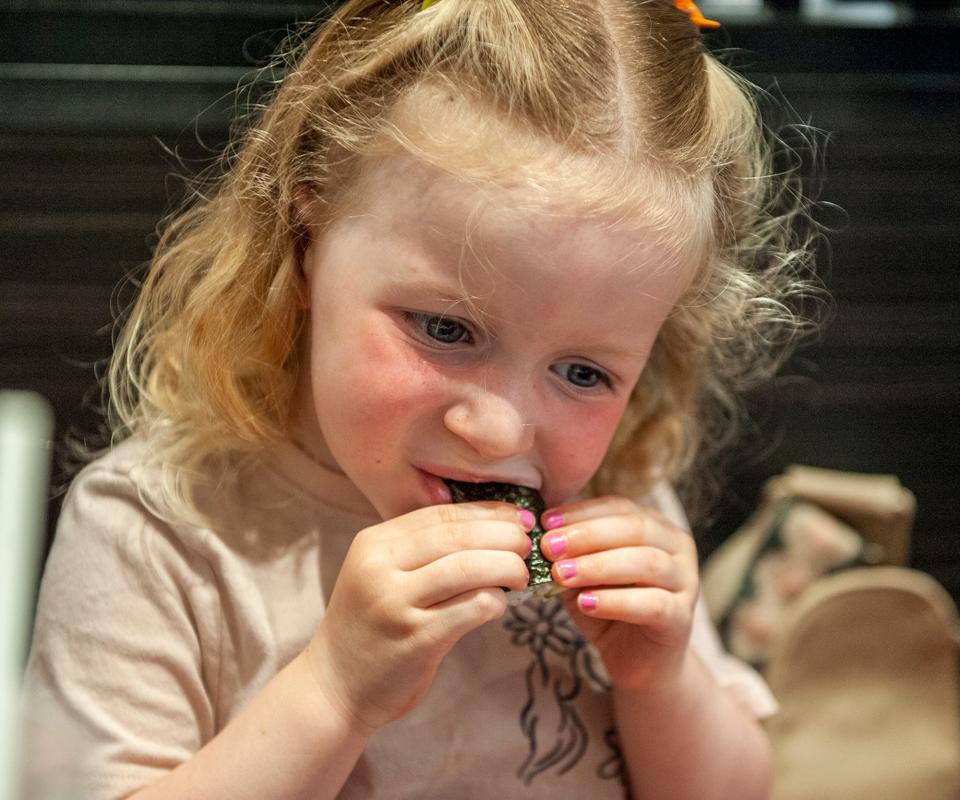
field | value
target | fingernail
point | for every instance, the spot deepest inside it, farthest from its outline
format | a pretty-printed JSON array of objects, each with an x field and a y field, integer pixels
[
  {"x": 567, "y": 569},
  {"x": 556, "y": 544},
  {"x": 588, "y": 601},
  {"x": 529, "y": 547},
  {"x": 552, "y": 520},
  {"x": 527, "y": 519}
]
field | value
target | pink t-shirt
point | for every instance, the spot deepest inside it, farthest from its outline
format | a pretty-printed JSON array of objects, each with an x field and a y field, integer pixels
[{"x": 151, "y": 635}]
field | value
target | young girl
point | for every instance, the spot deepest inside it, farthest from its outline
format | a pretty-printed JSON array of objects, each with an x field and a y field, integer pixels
[{"x": 475, "y": 240}]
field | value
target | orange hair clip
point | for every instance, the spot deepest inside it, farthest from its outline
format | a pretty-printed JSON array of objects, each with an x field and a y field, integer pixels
[{"x": 689, "y": 8}]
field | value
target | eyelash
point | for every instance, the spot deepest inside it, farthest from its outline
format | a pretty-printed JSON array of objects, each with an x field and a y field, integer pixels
[
  {"x": 423, "y": 322},
  {"x": 602, "y": 377}
]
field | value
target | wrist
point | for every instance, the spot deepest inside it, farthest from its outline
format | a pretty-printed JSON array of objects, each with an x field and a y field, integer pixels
[
  {"x": 666, "y": 686},
  {"x": 323, "y": 696}
]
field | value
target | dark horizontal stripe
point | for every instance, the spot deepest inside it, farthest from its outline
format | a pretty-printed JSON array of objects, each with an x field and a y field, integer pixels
[
  {"x": 114, "y": 105},
  {"x": 786, "y": 45},
  {"x": 175, "y": 8},
  {"x": 202, "y": 33},
  {"x": 207, "y": 31}
]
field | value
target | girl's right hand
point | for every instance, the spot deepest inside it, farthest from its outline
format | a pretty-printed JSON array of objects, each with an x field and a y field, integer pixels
[{"x": 408, "y": 590}]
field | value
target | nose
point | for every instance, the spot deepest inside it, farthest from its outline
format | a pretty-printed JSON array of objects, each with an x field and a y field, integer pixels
[{"x": 491, "y": 424}]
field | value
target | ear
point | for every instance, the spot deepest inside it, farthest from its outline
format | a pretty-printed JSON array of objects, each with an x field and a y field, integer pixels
[
  {"x": 303, "y": 209},
  {"x": 304, "y": 205}
]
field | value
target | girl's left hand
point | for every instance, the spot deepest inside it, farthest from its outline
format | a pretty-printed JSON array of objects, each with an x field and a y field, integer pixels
[{"x": 636, "y": 583}]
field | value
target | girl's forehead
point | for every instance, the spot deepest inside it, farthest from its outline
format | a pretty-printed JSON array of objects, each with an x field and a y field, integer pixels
[{"x": 496, "y": 222}]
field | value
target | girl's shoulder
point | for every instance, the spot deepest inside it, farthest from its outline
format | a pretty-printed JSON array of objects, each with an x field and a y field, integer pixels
[
  {"x": 114, "y": 514},
  {"x": 125, "y": 483},
  {"x": 231, "y": 507},
  {"x": 119, "y": 460},
  {"x": 120, "y": 474},
  {"x": 137, "y": 472}
]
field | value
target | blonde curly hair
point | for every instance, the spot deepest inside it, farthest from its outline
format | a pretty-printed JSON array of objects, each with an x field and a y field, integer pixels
[{"x": 207, "y": 358}]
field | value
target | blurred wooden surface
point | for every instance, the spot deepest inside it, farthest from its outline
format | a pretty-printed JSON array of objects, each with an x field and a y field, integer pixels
[{"x": 105, "y": 103}]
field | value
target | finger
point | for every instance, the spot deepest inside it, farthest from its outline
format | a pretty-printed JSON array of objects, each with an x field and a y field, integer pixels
[
  {"x": 625, "y": 566},
  {"x": 610, "y": 505},
  {"x": 450, "y": 620},
  {"x": 466, "y": 571},
  {"x": 655, "y": 609},
  {"x": 429, "y": 516},
  {"x": 414, "y": 550},
  {"x": 641, "y": 527}
]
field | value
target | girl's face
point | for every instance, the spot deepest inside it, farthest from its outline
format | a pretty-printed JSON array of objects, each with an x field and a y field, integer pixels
[{"x": 474, "y": 334}]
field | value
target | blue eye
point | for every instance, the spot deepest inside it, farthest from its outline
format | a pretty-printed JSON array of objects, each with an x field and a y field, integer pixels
[
  {"x": 442, "y": 329},
  {"x": 583, "y": 376}
]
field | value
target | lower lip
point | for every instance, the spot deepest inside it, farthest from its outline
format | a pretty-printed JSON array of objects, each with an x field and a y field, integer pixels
[{"x": 437, "y": 490}]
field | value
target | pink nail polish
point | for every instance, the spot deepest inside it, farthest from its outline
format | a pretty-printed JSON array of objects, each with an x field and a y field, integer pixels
[
  {"x": 556, "y": 544},
  {"x": 552, "y": 520},
  {"x": 588, "y": 601},
  {"x": 527, "y": 519},
  {"x": 567, "y": 569}
]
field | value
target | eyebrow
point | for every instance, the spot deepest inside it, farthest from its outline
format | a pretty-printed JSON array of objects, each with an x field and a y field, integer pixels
[
  {"x": 442, "y": 290},
  {"x": 433, "y": 286},
  {"x": 604, "y": 352}
]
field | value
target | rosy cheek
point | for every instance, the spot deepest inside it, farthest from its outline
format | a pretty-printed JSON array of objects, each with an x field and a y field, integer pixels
[
  {"x": 581, "y": 447},
  {"x": 388, "y": 381}
]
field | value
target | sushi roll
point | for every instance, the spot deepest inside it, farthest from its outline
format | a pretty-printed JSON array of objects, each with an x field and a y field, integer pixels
[{"x": 541, "y": 583}]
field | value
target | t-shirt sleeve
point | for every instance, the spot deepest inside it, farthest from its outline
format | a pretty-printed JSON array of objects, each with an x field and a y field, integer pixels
[
  {"x": 739, "y": 678},
  {"x": 116, "y": 670}
]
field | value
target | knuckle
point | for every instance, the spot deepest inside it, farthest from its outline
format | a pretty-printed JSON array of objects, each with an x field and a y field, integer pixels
[
  {"x": 490, "y": 603},
  {"x": 448, "y": 514},
  {"x": 626, "y": 506},
  {"x": 646, "y": 523},
  {"x": 370, "y": 562},
  {"x": 618, "y": 504},
  {"x": 658, "y": 564},
  {"x": 459, "y": 534},
  {"x": 365, "y": 539},
  {"x": 465, "y": 568},
  {"x": 659, "y": 609},
  {"x": 654, "y": 530},
  {"x": 397, "y": 623}
]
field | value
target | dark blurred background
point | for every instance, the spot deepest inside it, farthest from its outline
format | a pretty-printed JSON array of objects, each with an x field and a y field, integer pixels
[{"x": 105, "y": 103}]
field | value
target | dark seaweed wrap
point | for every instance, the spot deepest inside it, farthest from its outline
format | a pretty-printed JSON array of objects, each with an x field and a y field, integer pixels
[{"x": 522, "y": 496}]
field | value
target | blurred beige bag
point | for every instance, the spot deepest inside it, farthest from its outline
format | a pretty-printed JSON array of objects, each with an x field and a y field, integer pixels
[
  {"x": 865, "y": 668},
  {"x": 862, "y": 659},
  {"x": 876, "y": 506}
]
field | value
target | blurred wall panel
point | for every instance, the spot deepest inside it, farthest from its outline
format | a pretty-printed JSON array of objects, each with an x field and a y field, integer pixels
[{"x": 880, "y": 392}]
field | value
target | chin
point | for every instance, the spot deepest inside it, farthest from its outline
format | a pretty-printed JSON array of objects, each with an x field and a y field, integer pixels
[{"x": 391, "y": 507}]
